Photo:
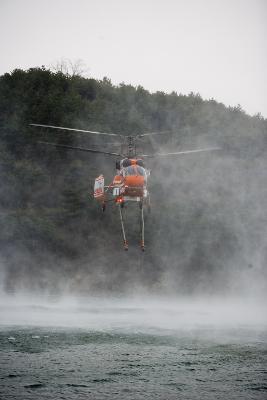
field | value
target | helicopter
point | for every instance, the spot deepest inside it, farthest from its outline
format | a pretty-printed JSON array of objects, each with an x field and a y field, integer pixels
[{"x": 130, "y": 184}]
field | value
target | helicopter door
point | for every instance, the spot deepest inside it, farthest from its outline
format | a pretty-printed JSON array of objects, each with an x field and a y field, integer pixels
[
  {"x": 99, "y": 188},
  {"x": 116, "y": 191}
]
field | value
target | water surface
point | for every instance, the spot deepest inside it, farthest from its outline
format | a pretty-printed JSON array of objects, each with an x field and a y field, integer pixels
[{"x": 132, "y": 350}]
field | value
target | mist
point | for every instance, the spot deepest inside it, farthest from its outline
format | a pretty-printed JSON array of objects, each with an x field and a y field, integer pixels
[
  {"x": 206, "y": 234},
  {"x": 140, "y": 314}
]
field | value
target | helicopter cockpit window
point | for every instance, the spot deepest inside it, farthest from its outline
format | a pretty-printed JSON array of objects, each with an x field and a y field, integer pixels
[{"x": 133, "y": 171}]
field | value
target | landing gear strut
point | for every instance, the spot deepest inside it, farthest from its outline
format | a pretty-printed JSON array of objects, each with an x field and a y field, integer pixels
[
  {"x": 142, "y": 227},
  {"x": 125, "y": 243}
]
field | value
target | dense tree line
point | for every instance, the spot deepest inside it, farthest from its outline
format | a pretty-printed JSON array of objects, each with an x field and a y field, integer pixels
[{"x": 209, "y": 211}]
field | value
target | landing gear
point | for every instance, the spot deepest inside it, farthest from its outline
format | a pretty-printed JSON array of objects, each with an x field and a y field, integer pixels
[
  {"x": 149, "y": 206},
  {"x": 125, "y": 243},
  {"x": 142, "y": 226}
]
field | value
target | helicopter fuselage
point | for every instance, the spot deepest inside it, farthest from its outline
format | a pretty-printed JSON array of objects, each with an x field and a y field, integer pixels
[{"x": 129, "y": 184}]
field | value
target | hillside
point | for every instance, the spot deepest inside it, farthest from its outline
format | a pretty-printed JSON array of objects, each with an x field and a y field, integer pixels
[{"x": 208, "y": 227}]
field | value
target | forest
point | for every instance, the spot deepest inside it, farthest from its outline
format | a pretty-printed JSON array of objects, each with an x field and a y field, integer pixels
[{"x": 208, "y": 224}]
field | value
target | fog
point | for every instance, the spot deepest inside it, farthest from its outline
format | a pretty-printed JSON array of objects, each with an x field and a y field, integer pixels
[
  {"x": 161, "y": 315},
  {"x": 206, "y": 234}
]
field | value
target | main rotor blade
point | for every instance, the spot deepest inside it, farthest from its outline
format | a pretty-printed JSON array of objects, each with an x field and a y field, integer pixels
[
  {"x": 75, "y": 130},
  {"x": 180, "y": 152},
  {"x": 152, "y": 133},
  {"x": 81, "y": 149}
]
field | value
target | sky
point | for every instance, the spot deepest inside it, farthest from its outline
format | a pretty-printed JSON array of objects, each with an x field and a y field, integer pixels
[{"x": 217, "y": 48}]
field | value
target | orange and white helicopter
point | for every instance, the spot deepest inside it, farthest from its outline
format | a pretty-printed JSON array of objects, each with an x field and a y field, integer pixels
[{"x": 130, "y": 182}]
